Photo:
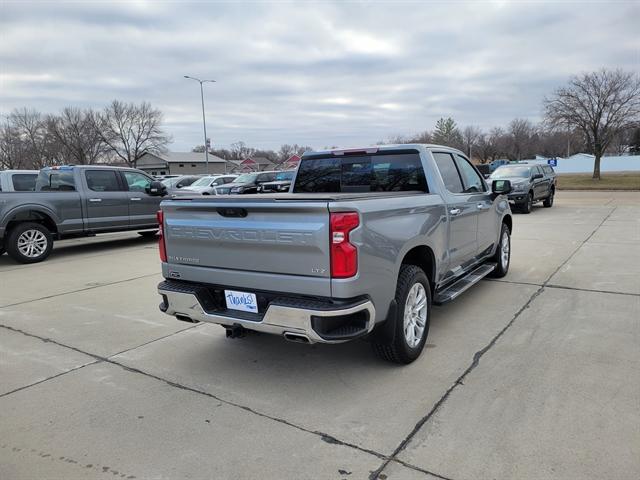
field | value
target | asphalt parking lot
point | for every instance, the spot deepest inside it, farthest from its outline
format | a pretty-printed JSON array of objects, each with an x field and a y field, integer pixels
[{"x": 536, "y": 376}]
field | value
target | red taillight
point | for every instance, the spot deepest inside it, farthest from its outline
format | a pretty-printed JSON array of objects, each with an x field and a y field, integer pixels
[
  {"x": 344, "y": 255},
  {"x": 161, "y": 244}
]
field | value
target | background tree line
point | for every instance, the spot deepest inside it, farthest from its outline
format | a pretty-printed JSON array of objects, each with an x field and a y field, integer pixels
[
  {"x": 241, "y": 151},
  {"x": 118, "y": 134},
  {"x": 597, "y": 112}
]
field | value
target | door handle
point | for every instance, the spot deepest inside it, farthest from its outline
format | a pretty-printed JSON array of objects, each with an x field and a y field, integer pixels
[
  {"x": 95, "y": 200},
  {"x": 481, "y": 206},
  {"x": 455, "y": 211},
  {"x": 135, "y": 199}
]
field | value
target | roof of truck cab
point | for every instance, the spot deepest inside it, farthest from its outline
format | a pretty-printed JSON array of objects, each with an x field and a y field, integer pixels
[
  {"x": 382, "y": 148},
  {"x": 92, "y": 167}
]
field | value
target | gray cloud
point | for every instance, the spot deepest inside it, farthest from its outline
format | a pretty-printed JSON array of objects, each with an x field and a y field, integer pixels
[{"x": 311, "y": 73}]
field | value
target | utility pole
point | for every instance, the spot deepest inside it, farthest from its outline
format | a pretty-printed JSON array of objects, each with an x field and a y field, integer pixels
[
  {"x": 568, "y": 140},
  {"x": 204, "y": 121}
]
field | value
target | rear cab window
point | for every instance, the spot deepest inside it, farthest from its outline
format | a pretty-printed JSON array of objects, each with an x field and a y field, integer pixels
[
  {"x": 24, "y": 182},
  {"x": 385, "y": 171},
  {"x": 56, "y": 179}
]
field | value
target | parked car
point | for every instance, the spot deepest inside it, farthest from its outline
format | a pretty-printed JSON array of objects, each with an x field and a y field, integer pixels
[
  {"x": 164, "y": 177},
  {"x": 484, "y": 169},
  {"x": 246, "y": 183},
  {"x": 76, "y": 201},
  {"x": 363, "y": 245},
  {"x": 176, "y": 183},
  {"x": 18, "y": 180},
  {"x": 207, "y": 185},
  {"x": 282, "y": 183},
  {"x": 530, "y": 183}
]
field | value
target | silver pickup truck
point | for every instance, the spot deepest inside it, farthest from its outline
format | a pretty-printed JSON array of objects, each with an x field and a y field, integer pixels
[
  {"x": 361, "y": 247},
  {"x": 75, "y": 201}
]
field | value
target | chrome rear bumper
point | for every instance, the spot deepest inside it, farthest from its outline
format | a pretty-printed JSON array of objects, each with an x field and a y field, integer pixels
[{"x": 303, "y": 321}]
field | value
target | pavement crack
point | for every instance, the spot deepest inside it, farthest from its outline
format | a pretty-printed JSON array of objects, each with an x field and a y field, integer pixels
[
  {"x": 476, "y": 359},
  {"x": 419, "y": 469},
  {"x": 92, "y": 287},
  {"x": 24, "y": 387},
  {"x": 99, "y": 358},
  {"x": 323, "y": 436},
  {"x": 590, "y": 290},
  {"x": 459, "y": 381}
]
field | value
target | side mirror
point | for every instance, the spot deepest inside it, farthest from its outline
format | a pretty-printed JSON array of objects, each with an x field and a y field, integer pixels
[
  {"x": 157, "y": 189},
  {"x": 501, "y": 187},
  {"x": 537, "y": 176}
]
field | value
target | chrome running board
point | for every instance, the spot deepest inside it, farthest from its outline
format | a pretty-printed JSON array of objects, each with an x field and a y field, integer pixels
[{"x": 463, "y": 284}]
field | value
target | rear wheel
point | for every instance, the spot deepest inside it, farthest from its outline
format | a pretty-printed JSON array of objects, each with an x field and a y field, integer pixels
[
  {"x": 29, "y": 242},
  {"x": 548, "y": 202},
  {"x": 408, "y": 331},
  {"x": 502, "y": 257}
]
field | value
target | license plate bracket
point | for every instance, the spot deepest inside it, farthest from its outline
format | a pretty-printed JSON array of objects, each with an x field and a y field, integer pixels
[{"x": 241, "y": 301}]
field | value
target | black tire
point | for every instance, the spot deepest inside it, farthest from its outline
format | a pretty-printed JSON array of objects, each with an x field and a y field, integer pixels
[
  {"x": 42, "y": 248},
  {"x": 548, "y": 202},
  {"x": 526, "y": 206},
  {"x": 148, "y": 233},
  {"x": 502, "y": 266},
  {"x": 394, "y": 347}
]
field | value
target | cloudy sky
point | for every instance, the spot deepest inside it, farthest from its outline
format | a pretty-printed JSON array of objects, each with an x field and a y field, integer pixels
[{"x": 313, "y": 73}]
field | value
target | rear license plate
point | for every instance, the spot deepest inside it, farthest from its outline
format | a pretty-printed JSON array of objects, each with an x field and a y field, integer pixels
[{"x": 243, "y": 301}]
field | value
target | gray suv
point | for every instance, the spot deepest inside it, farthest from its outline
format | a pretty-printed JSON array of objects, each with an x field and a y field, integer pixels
[{"x": 530, "y": 183}]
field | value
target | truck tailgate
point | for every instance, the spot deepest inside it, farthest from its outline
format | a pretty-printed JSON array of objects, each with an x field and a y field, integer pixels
[{"x": 267, "y": 235}]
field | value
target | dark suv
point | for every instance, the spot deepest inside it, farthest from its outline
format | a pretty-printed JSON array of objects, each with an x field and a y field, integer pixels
[
  {"x": 530, "y": 183},
  {"x": 246, "y": 183}
]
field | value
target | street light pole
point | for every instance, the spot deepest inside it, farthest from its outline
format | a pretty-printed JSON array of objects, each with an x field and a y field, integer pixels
[{"x": 204, "y": 122}]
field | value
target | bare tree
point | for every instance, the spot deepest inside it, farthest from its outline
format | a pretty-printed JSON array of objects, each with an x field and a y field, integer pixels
[
  {"x": 522, "y": 135},
  {"x": 129, "y": 130},
  {"x": 30, "y": 127},
  {"x": 600, "y": 104},
  {"x": 470, "y": 137},
  {"x": 13, "y": 150},
  {"x": 77, "y": 135},
  {"x": 240, "y": 151}
]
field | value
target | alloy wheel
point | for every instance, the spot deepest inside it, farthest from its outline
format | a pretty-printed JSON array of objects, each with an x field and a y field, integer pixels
[{"x": 415, "y": 315}]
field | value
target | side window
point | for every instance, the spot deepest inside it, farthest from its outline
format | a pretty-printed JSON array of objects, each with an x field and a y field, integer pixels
[
  {"x": 218, "y": 181},
  {"x": 102, "y": 180},
  {"x": 449, "y": 172},
  {"x": 137, "y": 182},
  {"x": 266, "y": 177},
  {"x": 24, "y": 182},
  {"x": 472, "y": 181},
  {"x": 228, "y": 180}
]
